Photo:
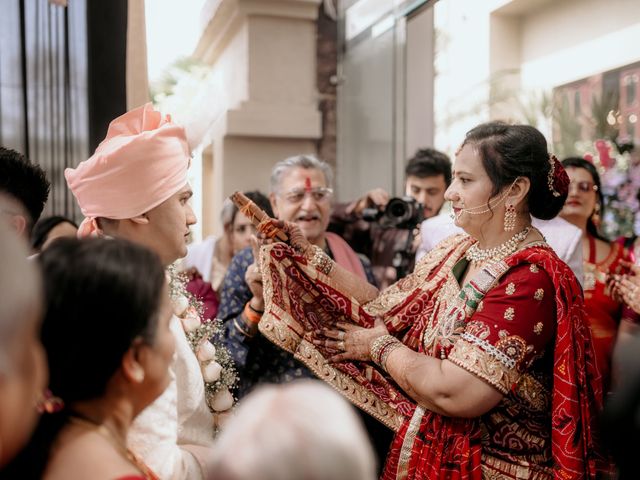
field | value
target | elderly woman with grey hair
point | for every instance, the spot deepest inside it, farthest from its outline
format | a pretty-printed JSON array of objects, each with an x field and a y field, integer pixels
[
  {"x": 23, "y": 369},
  {"x": 287, "y": 432}
]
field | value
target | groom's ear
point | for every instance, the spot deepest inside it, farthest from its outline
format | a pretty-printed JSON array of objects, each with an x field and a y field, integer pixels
[{"x": 140, "y": 219}]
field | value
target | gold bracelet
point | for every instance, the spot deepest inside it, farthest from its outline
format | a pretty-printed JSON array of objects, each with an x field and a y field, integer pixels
[
  {"x": 321, "y": 260},
  {"x": 381, "y": 347},
  {"x": 387, "y": 351}
]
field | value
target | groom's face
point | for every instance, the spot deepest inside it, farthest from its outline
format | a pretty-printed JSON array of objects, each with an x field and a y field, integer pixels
[{"x": 168, "y": 227}]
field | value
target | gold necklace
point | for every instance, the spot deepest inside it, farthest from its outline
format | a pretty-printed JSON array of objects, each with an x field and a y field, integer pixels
[
  {"x": 112, "y": 438},
  {"x": 477, "y": 255}
]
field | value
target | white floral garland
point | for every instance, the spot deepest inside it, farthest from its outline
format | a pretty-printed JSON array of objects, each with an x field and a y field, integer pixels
[{"x": 217, "y": 366}]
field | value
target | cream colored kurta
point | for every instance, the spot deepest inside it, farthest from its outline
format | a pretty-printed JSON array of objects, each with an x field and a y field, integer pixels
[{"x": 162, "y": 433}]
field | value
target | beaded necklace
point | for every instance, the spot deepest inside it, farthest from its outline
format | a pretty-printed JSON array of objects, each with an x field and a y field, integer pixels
[{"x": 477, "y": 255}]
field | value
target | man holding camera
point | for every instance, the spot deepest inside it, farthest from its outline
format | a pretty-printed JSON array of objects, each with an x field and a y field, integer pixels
[{"x": 386, "y": 230}]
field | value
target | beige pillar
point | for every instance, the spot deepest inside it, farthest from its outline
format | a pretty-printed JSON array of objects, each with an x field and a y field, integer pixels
[
  {"x": 263, "y": 104},
  {"x": 137, "y": 79}
]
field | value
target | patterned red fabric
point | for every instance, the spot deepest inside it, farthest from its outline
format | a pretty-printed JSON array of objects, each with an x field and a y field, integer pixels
[
  {"x": 604, "y": 313},
  {"x": 577, "y": 385},
  {"x": 299, "y": 300}
]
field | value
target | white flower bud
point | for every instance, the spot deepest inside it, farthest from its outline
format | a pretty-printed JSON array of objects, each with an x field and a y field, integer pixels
[
  {"x": 180, "y": 305},
  {"x": 206, "y": 351},
  {"x": 191, "y": 321},
  {"x": 211, "y": 372},
  {"x": 221, "y": 401}
]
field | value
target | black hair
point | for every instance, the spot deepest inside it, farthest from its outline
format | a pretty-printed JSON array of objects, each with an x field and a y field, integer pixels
[
  {"x": 41, "y": 229},
  {"x": 429, "y": 162},
  {"x": 577, "y": 162},
  {"x": 24, "y": 181},
  {"x": 512, "y": 151},
  {"x": 101, "y": 295}
]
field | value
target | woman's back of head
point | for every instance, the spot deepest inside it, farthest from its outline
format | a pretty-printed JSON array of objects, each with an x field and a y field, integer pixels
[
  {"x": 512, "y": 151},
  {"x": 288, "y": 432},
  {"x": 100, "y": 296}
]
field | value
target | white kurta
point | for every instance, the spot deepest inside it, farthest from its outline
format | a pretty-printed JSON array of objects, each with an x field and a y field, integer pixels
[{"x": 161, "y": 434}]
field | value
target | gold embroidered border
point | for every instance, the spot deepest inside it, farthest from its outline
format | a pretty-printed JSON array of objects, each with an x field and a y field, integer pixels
[
  {"x": 407, "y": 444},
  {"x": 399, "y": 291},
  {"x": 274, "y": 330},
  {"x": 496, "y": 469},
  {"x": 483, "y": 365}
]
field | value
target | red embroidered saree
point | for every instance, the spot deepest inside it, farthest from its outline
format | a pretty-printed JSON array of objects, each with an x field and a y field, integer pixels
[{"x": 544, "y": 370}]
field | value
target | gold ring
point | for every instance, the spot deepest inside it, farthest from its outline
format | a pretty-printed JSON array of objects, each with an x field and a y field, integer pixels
[{"x": 341, "y": 345}]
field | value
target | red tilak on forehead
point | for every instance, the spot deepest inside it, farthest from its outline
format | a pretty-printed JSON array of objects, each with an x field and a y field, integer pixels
[{"x": 307, "y": 184}]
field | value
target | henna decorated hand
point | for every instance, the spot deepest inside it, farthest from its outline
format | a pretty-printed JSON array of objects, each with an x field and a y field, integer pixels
[
  {"x": 626, "y": 288},
  {"x": 350, "y": 342}
]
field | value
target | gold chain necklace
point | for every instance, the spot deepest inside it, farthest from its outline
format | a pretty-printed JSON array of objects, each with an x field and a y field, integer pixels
[
  {"x": 476, "y": 255},
  {"x": 122, "y": 449}
]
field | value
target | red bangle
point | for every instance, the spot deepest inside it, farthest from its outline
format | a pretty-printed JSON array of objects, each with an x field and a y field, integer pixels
[{"x": 251, "y": 315}]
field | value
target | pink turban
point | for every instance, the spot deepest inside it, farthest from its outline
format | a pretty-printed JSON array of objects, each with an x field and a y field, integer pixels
[{"x": 141, "y": 163}]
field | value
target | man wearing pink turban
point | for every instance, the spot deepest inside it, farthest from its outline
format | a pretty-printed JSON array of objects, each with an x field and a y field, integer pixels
[{"x": 135, "y": 187}]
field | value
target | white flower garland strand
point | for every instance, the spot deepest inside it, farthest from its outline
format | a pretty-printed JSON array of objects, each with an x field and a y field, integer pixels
[{"x": 216, "y": 364}]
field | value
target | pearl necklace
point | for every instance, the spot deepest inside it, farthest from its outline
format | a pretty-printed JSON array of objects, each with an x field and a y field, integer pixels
[{"x": 476, "y": 255}]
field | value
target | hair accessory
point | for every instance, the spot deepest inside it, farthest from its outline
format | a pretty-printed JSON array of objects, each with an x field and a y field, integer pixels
[
  {"x": 49, "y": 403},
  {"x": 509, "y": 218},
  {"x": 557, "y": 178}
]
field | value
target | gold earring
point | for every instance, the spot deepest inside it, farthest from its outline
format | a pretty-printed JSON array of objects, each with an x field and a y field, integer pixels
[
  {"x": 595, "y": 216},
  {"x": 509, "y": 218}
]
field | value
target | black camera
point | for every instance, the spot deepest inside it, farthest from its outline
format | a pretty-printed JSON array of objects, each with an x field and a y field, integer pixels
[{"x": 400, "y": 212}]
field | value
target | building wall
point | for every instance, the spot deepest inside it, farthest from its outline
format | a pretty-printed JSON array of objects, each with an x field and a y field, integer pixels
[
  {"x": 493, "y": 56},
  {"x": 259, "y": 101}
]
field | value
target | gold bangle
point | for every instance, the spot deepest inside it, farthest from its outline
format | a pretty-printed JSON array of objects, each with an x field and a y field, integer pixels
[
  {"x": 381, "y": 347},
  {"x": 387, "y": 351}
]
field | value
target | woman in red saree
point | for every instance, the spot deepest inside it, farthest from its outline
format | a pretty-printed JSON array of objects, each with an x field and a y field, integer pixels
[
  {"x": 606, "y": 314},
  {"x": 480, "y": 360}
]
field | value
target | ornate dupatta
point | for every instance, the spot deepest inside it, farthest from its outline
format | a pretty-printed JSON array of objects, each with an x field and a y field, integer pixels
[{"x": 299, "y": 299}]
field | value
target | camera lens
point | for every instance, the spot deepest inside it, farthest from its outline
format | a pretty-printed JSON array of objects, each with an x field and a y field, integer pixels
[{"x": 397, "y": 209}]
